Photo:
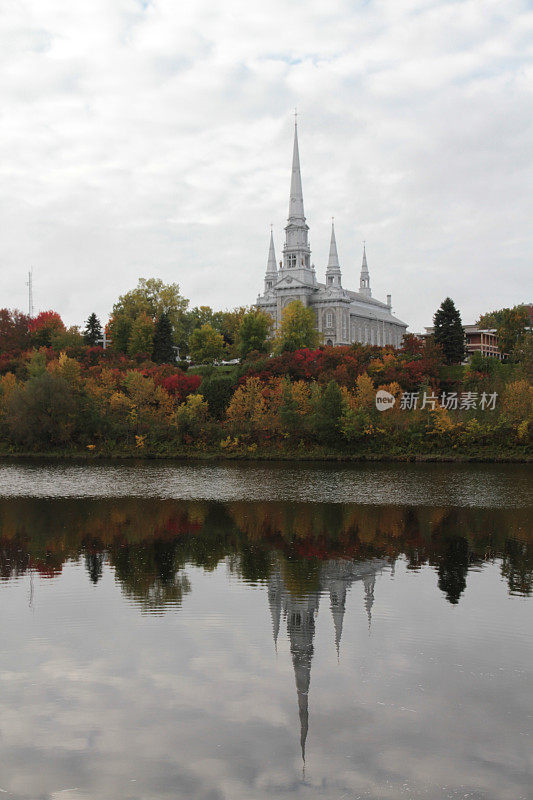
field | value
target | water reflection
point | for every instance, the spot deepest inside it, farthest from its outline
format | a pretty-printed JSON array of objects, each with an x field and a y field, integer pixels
[
  {"x": 148, "y": 543},
  {"x": 334, "y": 578},
  {"x": 178, "y": 649}
]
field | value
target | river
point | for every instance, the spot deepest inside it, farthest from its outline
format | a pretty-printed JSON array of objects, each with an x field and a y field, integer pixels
[{"x": 249, "y": 631}]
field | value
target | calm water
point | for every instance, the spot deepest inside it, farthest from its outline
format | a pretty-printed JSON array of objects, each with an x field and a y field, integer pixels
[{"x": 248, "y": 631}]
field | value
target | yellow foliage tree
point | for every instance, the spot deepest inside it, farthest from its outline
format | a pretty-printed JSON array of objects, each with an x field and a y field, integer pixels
[
  {"x": 518, "y": 401},
  {"x": 365, "y": 392},
  {"x": 248, "y": 407}
]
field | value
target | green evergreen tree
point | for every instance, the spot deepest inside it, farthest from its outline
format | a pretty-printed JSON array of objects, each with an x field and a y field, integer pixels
[
  {"x": 448, "y": 332},
  {"x": 163, "y": 352},
  {"x": 288, "y": 410},
  {"x": 328, "y": 414},
  {"x": 217, "y": 391},
  {"x": 93, "y": 331}
]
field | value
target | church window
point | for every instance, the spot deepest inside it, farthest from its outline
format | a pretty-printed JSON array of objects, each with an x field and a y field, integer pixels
[
  {"x": 269, "y": 284},
  {"x": 291, "y": 260},
  {"x": 329, "y": 320}
]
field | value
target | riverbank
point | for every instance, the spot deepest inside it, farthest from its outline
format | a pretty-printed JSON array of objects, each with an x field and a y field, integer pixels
[{"x": 491, "y": 455}]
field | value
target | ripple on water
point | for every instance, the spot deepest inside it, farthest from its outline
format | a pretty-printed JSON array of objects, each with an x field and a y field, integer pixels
[{"x": 474, "y": 485}]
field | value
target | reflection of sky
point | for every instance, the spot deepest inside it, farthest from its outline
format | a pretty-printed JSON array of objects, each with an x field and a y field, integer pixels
[{"x": 106, "y": 702}]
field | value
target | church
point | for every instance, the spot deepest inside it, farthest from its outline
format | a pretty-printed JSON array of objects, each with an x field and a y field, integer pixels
[{"x": 342, "y": 316}]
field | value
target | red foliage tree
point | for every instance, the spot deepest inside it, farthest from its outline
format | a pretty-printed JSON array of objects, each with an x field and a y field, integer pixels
[
  {"x": 14, "y": 331},
  {"x": 43, "y": 326},
  {"x": 181, "y": 385}
]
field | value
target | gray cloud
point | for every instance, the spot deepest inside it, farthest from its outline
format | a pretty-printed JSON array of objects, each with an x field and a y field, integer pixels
[{"x": 153, "y": 138}]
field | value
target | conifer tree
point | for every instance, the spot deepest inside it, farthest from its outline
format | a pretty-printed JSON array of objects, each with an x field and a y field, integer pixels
[
  {"x": 328, "y": 414},
  {"x": 93, "y": 331},
  {"x": 288, "y": 411},
  {"x": 448, "y": 332},
  {"x": 163, "y": 352}
]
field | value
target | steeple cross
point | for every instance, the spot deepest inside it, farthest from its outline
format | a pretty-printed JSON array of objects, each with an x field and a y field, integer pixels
[{"x": 295, "y": 115}]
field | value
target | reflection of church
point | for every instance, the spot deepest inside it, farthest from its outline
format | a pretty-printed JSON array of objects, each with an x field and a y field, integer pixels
[{"x": 335, "y": 578}]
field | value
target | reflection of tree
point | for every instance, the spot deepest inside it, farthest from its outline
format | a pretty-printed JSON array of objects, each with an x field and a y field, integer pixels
[
  {"x": 150, "y": 573},
  {"x": 148, "y": 542},
  {"x": 517, "y": 566},
  {"x": 452, "y": 569},
  {"x": 94, "y": 563}
]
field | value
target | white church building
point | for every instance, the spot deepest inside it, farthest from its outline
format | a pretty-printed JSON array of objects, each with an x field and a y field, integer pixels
[{"x": 342, "y": 316}]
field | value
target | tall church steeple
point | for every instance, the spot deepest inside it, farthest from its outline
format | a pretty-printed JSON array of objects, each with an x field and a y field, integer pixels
[
  {"x": 296, "y": 200},
  {"x": 364, "y": 281},
  {"x": 333, "y": 271},
  {"x": 296, "y": 252}
]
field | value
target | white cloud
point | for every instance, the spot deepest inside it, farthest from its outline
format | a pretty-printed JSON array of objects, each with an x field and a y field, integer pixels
[{"x": 154, "y": 138}]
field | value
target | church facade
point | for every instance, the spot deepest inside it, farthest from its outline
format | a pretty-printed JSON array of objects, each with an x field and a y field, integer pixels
[{"x": 342, "y": 316}]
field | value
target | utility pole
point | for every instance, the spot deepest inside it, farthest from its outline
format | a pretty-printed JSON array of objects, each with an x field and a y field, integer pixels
[{"x": 29, "y": 284}]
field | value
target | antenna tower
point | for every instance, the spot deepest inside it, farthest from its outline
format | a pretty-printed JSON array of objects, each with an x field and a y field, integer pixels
[{"x": 29, "y": 284}]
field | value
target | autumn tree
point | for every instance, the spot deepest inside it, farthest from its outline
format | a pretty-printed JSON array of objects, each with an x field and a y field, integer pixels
[
  {"x": 120, "y": 331},
  {"x": 42, "y": 412},
  {"x": 297, "y": 328},
  {"x": 14, "y": 331},
  {"x": 226, "y": 323},
  {"x": 448, "y": 331},
  {"x": 93, "y": 331},
  {"x": 150, "y": 298},
  {"x": 44, "y": 326},
  {"x": 141, "y": 336},
  {"x": 68, "y": 337},
  {"x": 206, "y": 345},
  {"x": 163, "y": 348},
  {"x": 510, "y": 324},
  {"x": 254, "y": 333}
]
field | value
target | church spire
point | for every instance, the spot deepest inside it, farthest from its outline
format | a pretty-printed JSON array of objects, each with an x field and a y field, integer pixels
[
  {"x": 333, "y": 261},
  {"x": 271, "y": 270},
  {"x": 296, "y": 252},
  {"x": 271, "y": 263},
  {"x": 296, "y": 200},
  {"x": 333, "y": 271},
  {"x": 364, "y": 281}
]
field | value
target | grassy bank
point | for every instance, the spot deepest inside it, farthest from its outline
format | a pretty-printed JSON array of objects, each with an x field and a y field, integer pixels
[{"x": 488, "y": 454}]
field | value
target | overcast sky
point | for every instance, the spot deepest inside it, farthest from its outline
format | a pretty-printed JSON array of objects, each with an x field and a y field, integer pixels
[{"x": 154, "y": 139}]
